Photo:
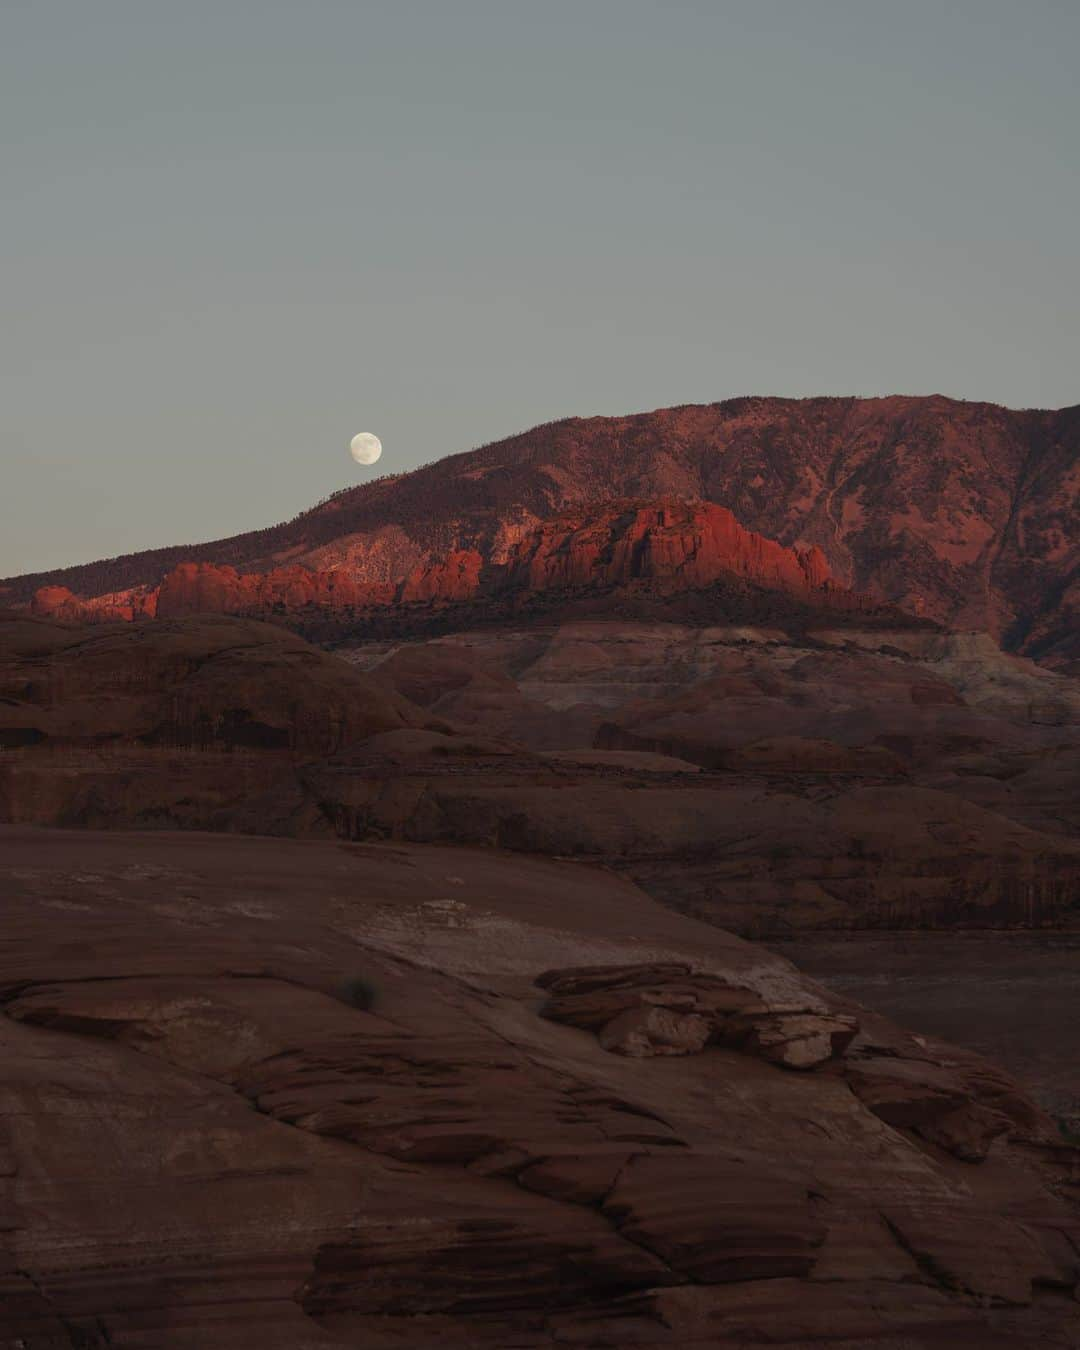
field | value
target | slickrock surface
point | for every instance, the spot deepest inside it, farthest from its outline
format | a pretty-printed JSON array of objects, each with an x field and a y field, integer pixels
[
  {"x": 965, "y": 512},
  {"x": 777, "y": 784},
  {"x": 302, "y": 1095}
]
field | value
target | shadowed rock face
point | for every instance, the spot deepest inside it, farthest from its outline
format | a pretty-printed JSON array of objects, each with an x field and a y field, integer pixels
[
  {"x": 204, "y": 683},
  {"x": 965, "y": 512},
  {"x": 207, "y": 1143}
]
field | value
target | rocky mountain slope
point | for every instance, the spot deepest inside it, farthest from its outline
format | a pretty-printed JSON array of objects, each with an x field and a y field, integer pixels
[
  {"x": 966, "y": 513},
  {"x": 318, "y": 1096}
]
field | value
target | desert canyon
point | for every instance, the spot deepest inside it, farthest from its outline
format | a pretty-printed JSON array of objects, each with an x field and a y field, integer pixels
[{"x": 618, "y": 887}]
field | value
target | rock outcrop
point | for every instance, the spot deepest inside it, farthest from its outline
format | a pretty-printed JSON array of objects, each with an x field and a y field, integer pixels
[
  {"x": 204, "y": 588},
  {"x": 57, "y": 602},
  {"x": 670, "y": 1010},
  {"x": 679, "y": 545},
  {"x": 456, "y": 577}
]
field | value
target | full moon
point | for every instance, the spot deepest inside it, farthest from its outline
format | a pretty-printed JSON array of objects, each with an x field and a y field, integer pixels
[{"x": 365, "y": 448}]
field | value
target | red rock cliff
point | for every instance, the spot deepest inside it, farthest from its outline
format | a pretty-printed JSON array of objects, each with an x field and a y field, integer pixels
[
  {"x": 57, "y": 602},
  {"x": 678, "y": 544},
  {"x": 204, "y": 588},
  {"x": 456, "y": 577}
]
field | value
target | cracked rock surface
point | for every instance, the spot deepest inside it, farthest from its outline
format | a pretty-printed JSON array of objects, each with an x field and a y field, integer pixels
[{"x": 302, "y": 1094}]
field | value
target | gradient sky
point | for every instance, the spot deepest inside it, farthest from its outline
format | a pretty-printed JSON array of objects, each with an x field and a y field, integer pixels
[{"x": 234, "y": 232}]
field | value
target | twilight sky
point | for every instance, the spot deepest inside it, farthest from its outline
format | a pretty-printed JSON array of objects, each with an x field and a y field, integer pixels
[{"x": 235, "y": 232}]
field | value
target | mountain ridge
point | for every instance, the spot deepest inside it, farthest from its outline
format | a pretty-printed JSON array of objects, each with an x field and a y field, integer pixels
[
  {"x": 616, "y": 558},
  {"x": 963, "y": 512}
]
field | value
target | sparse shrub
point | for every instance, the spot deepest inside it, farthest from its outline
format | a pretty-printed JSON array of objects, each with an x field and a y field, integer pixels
[
  {"x": 1069, "y": 1129},
  {"x": 358, "y": 992}
]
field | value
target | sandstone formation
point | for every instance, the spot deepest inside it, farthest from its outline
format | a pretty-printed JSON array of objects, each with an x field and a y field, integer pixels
[
  {"x": 57, "y": 602},
  {"x": 766, "y": 782},
  {"x": 964, "y": 512},
  {"x": 781, "y": 784},
  {"x": 202, "y": 684},
  {"x": 473, "y": 1057},
  {"x": 396, "y": 1083},
  {"x": 665, "y": 1009},
  {"x": 667, "y": 546},
  {"x": 211, "y": 1139},
  {"x": 456, "y": 577},
  {"x": 680, "y": 545},
  {"x": 203, "y": 588}
]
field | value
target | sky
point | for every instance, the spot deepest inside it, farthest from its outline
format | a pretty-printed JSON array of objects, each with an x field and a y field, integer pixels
[{"x": 235, "y": 232}]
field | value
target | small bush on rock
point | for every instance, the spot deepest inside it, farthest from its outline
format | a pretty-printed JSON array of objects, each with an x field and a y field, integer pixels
[{"x": 358, "y": 992}]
